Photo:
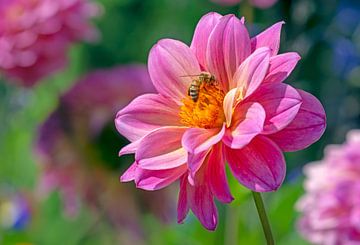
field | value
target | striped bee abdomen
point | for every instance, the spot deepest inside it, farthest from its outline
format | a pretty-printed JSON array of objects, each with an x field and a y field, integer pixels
[{"x": 194, "y": 89}]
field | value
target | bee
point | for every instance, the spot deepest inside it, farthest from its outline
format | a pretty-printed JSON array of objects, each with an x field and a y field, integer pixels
[{"x": 194, "y": 88}]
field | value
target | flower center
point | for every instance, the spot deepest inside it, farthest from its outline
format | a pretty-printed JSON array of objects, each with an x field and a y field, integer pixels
[{"x": 203, "y": 107}]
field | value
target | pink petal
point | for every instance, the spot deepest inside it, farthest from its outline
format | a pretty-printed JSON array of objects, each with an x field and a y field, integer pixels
[
  {"x": 162, "y": 149},
  {"x": 201, "y": 202},
  {"x": 251, "y": 72},
  {"x": 201, "y": 36},
  {"x": 269, "y": 38},
  {"x": 281, "y": 103},
  {"x": 248, "y": 121},
  {"x": 146, "y": 113},
  {"x": 156, "y": 179},
  {"x": 183, "y": 207},
  {"x": 129, "y": 174},
  {"x": 259, "y": 166},
  {"x": 281, "y": 67},
  {"x": 228, "y": 47},
  {"x": 170, "y": 64},
  {"x": 195, "y": 162},
  {"x": 130, "y": 148},
  {"x": 217, "y": 176},
  {"x": 229, "y": 104},
  {"x": 306, "y": 128},
  {"x": 196, "y": 140}
]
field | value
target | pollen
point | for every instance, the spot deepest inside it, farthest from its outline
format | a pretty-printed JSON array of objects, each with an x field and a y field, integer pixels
[{"x": 207, "y": 111}]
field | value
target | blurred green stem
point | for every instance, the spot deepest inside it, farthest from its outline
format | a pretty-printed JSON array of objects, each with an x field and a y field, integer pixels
[
  {"x": 247, "y": 10},
  {"x": 232, "y": 225},
  {"x": 263, "y": 217}
]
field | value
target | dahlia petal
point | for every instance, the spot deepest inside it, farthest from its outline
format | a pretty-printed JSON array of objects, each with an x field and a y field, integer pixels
[
  {"x": 248, "y": 121},
  {"x": 129, "y": 174},
  {"x": 183, "y": 207},
  {"x": 195, "y": 161},
  {"x": 196, "y": 140},
  {"x": 146, "y": 113},
  {"x": 281, "y": 67},
  {"x": 228, "y": 47},
  {"x": 217, "y": 176},
  {"x": 170, "y": 65},
  {"x": 130, "y": 148},
  {"x": 201, "y": 202},
  {"x": 251, "y": 72},
  {"x": 269, "y": 38},
  {"x": 259, "y": 166},
  {"x": 281, "y": 103},
  {"x": 156, "y": 179},
  {"x": 201, "y": 36},
  {"x": 229, "y": 104},
  {"x": 162, "y": 149},
  {"x": 306, "y": 128}
]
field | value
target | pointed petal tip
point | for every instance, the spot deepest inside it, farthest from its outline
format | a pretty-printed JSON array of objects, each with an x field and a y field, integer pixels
[{"x": 211, "y": 226}]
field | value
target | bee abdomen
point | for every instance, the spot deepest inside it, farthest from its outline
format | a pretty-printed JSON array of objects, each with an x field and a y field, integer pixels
[{"x": 194, "y": 92}]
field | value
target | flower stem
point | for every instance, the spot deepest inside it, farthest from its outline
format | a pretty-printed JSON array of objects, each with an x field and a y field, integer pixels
[{"x": 263, "y": 217}]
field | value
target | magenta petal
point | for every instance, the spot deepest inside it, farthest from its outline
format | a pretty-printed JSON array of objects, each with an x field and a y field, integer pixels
[
  {"x": 251, "y": 72},
  {"x": 130, "y": 148},
  {"x": 183, "y": 207},
  {"x": 196, "y": 140},
  {"x": 259, "y": 166},
  {"x": 170, "y": 64},
  {"x": 129, "y": 174},
  {"x": 281, "y": 103},
  {"x": 146, "y": 113},
  {"x": 217, "y": 176},
  {"x": 161, "y": 149},
  {"x": 248, "y": 121},
  {"x": 281, "y": 67},
  {"x": 269, "y": 38},
  {"x": 201, "y": 202},
  {"x": 156, "y": 179},
  {"x": 201, "y": 36},
  {"x": 306, "y": 128},
  {"x": 228, "y": 47},
  {"x": 195, "y": 161}
]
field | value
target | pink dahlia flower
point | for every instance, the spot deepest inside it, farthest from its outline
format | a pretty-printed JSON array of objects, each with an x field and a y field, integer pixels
[
  {"x": 35, "y": 35},
  {"x": 246, "y": 117},
  {"x": 256, "y": 3},
  {"x": 331, "y": 206},
  {"x": 68, "y": 150}
]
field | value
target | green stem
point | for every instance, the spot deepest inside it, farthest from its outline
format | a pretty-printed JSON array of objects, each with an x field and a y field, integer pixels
[
  {"x": 232, "y": 225},
  {"x": 263, "y": 218}
]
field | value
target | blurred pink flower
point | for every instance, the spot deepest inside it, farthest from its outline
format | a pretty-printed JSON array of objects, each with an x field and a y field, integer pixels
[
  {"x": 35, "y": 35},
  {"x": 68, "y": 148},
  {"x": 256, "y": 3},
  {"x": 331, "y": 206},
  {"x": 247, "y": 117}
]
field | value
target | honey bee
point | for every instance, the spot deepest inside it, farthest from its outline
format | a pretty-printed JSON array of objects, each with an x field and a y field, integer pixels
[{"x": 194, "y": 88}]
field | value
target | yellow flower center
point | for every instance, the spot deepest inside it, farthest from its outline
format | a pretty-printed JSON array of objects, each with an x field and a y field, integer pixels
[{"x": 206, "y": 111}]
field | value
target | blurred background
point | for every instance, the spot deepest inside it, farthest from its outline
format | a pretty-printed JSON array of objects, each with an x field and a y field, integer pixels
[{"x": 59, "y": 168}]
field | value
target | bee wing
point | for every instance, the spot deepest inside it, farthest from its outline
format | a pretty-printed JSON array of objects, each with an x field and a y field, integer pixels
[{"x": 190, "y": 75}]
